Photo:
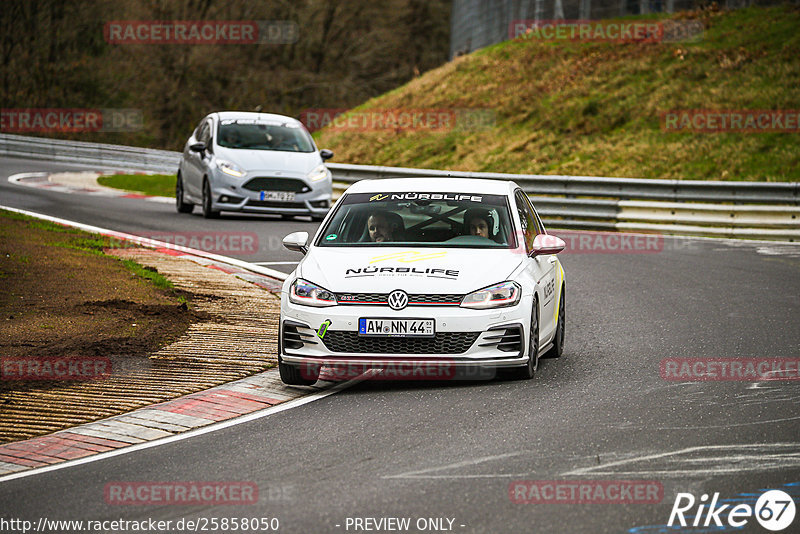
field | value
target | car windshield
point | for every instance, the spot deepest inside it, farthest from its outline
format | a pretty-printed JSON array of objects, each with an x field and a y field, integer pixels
[
  {"x": 264, "y": 135},
  {"x": 464, "y": 220}
]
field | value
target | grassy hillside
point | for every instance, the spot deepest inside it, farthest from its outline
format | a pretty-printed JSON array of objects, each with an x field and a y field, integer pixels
[{"x": 592, "y": 108}]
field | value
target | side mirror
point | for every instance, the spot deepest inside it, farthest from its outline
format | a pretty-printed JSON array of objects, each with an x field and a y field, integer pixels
[
  {"x": 198, "y": 147},
  {"x": 296, "y": 242},
  {"x": 544, "y": 244},
  {"x": 326, "y": 154}
]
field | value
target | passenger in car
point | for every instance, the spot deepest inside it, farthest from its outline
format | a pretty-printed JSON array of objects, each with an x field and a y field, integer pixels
[{"x": 479, "y": 222}]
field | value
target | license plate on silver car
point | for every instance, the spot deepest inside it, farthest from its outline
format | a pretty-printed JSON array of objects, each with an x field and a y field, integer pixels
[
  {"x": 396, "y": 327},
  {"x": 280, "y": 196}
]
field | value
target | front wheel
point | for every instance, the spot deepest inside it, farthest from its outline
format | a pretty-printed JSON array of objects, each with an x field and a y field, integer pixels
[
  {"x": 208, "y": 213},
  {"x": 180, "y": 204},
  {"x": 558, "y": 341},
  {"x": 527, "y": 371}
]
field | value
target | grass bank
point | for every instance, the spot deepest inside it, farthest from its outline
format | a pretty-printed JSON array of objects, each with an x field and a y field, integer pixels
[
  {"x": 594, "y": 108},
  {"x": 159, "y": 185}
]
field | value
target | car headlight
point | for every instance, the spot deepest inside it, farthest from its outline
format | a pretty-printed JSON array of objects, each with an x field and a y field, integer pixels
[
  {"x": 230, "y": 168},
  {"x": 319, "y": 173},
  {"x": 496, "y": 296},
  {"x": 308, "y": 294}
]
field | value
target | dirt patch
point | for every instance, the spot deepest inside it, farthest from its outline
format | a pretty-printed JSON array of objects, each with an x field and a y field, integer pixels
[
  {"x": 62, "y": 297},
  {"x": 65, "y": 298}
]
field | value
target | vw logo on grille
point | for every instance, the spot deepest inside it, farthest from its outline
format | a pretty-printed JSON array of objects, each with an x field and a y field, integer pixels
[{"x": 398, "y": 300}]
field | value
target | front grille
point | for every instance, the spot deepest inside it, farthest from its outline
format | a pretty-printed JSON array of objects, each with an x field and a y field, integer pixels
[
  {"x": 435, "y": 299},
  {"x": 361, "y": 298},
  {"x": 277, "y": 184},
  {"x": 275, "y": 204},
  {"x": 441, "y": 343},
  {"x": 505, "y": 338},
  {"x": 381, "y": 299}
]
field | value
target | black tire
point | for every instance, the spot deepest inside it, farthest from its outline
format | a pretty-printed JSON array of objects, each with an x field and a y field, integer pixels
[
  {"x": 208, "y": 213},
  {"x": 527, "y": 371},
  {"x": 558, "y": 341},
  {"x": 180, "y": 205},
  {"x": 292, "y": 376}
]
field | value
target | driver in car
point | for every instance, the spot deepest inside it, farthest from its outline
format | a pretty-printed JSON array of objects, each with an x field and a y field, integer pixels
[
  {"x": 379, "y": 227},
  {"x": 231, "y": 138},
  {"x": 280, "y": 141}
]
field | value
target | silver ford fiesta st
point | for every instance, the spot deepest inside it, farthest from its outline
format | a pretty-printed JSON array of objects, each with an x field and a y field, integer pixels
[{"x": 253, "y": 162}]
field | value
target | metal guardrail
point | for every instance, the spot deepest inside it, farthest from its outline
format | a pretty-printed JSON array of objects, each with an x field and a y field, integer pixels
[
  {"x": 726, "y": 209},
  {"x": 113, "y": 156},
  {"x": 620, "y": 188}
]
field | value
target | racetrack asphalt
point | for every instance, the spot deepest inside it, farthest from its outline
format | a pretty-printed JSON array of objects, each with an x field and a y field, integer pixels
[{"x": 452, "y": 450}]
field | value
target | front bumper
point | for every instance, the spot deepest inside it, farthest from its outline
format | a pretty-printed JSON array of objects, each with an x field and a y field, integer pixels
[
  {"x": 229, "y": 194},
  {"x": 465, "y": 338}
]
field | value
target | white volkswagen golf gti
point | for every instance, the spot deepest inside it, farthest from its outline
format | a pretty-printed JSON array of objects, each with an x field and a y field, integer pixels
[{"x": 415, "y": 274}]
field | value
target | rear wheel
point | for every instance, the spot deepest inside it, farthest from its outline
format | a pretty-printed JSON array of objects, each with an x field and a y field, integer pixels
[
  {"x": 293, "y": 376},
  {"x": 181, "y": 205},
  {"x": 208, "y": 213},
  {"x": 558, "y": 341},
  {"x": 529, "y": 369}
]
